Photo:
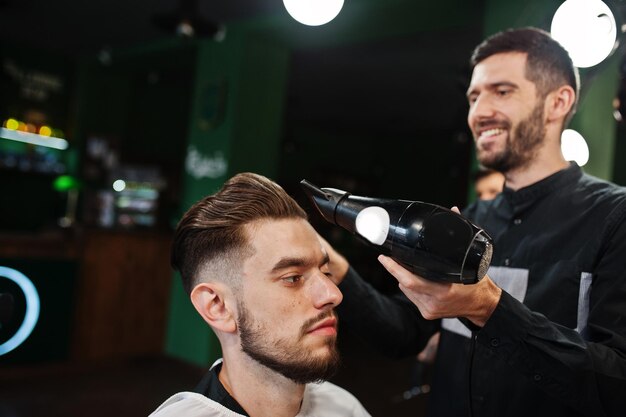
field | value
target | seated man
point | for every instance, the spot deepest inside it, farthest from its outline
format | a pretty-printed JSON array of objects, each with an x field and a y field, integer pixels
[
  {"x": 257, "y": 273},
  {"x": 488, "y": 183}
]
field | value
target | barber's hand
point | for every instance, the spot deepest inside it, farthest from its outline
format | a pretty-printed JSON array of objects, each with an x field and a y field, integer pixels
[
  {"x": 337, "y": 263},
  {"x": 437, "y": 300},
  {"x": 429, "y": 353}
]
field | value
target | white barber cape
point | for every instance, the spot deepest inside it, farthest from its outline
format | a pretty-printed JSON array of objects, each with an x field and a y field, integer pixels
[{"x": 320, "y": 400}]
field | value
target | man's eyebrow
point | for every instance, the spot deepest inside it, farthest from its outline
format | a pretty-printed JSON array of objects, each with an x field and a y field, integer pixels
[
  {"x": 493, "y": 86},
  {"x": 289, "y": 262}
]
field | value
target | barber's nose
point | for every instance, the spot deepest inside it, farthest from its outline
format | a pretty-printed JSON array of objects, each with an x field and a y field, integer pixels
[
  {"x": 324, "y": 292},
  {"x": 481, "y": 108}
]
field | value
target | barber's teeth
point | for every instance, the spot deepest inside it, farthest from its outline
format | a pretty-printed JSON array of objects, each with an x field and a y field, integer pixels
[{"x": 491, "y": 132}]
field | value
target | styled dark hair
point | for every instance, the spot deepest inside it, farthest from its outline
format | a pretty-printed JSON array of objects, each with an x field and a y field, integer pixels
[
  {"x": 212, "y": 230},
  {"x": 548, "y": 65}
]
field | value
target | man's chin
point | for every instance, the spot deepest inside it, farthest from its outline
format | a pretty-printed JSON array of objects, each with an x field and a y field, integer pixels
[
  {"x": 487, "y": 159},
  {"x": 310, "y": 364}
]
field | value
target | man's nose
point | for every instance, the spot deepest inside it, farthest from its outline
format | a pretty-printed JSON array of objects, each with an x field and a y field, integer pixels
[
  {"x": 481, "y": 108},
  {"x": 324, "y": 292}
]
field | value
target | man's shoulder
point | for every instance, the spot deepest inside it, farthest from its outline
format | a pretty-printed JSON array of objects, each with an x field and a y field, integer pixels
[
  {"x": 330, "y": 400},
  {"x": 598, "y": 187},
  {"x": 599, "y": 198},
  {"x": 191, "y": 404}
]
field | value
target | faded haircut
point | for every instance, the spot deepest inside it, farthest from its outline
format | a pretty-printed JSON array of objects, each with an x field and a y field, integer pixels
[
  {"x": 211, "y": 240},
  {"x": 548, "y": 65}
]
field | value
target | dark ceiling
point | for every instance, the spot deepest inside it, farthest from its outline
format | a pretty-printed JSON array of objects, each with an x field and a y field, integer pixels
[{"x": 82, "y": 26}]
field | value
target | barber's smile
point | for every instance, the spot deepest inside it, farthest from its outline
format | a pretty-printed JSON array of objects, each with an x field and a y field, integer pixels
[
  {"x": 489, "y": 136},
  {"x": 327, "y": 327}
]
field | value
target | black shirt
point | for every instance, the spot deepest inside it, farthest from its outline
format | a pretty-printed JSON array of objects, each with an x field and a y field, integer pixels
[
  {"x": 210, "y": 386},
  {"x": 556, "y": 343}
]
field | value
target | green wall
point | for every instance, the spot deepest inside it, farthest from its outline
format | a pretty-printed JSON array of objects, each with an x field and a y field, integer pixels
[
  {"x": 235, "y": 127},
  {"x": 594, "y": 119}
]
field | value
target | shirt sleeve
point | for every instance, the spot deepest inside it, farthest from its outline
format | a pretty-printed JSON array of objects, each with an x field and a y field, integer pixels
[
  {"x": 585, "y": 370},
  {"x": 391, "y": 324}
]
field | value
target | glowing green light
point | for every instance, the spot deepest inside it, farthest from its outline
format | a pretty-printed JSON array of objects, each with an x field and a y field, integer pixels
[{"x": 65, "y": 183}]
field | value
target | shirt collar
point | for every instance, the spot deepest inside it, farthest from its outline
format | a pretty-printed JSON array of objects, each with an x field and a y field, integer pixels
[
  {"x": 211, "y": 387},
  {"x": 526, "y": 197}
]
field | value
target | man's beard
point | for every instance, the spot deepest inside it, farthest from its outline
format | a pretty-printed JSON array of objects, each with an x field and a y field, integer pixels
[
  {"x": 522, "y": 146},
  {"x": 286, "y": 357}
]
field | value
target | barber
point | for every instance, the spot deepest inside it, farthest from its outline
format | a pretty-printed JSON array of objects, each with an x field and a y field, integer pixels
[{"x": 544, "y": 333}]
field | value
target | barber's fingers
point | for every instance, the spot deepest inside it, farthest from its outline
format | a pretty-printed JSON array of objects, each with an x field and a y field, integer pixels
[
  {"x": 456, "y": 210},
  {"x": 424, "y": 294},
  {"x": 404, "y": 276},
  {"x": 338, "y": 264}
]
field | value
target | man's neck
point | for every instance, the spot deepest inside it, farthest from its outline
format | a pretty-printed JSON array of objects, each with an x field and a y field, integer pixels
[
  {"x": 546, "y": 163},
  {"x": 259, "y": 390}
]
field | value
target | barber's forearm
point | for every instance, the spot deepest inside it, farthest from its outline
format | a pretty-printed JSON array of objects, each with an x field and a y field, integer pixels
[{"x": 390, "y": 324}]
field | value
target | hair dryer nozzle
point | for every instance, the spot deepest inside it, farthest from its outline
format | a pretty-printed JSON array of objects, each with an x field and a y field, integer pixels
[{"x": 325, "y": 200}]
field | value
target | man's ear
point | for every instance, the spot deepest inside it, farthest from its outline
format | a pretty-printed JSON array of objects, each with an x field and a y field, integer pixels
[
  {"x": 211, "y": 301},
  {"x": 559, "y": 102}
]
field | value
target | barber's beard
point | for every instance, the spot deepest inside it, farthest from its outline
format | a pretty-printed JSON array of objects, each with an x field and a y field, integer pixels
[
  {"x": 523, "y": 144},
  {"x": 287, "y": 357}
]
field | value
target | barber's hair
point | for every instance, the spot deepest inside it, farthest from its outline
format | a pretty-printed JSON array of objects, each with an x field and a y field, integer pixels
[
  {"x": 211, "y": 239},
  {"x": 548, "y": 65}
]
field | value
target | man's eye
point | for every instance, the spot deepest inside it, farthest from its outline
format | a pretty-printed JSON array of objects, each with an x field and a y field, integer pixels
[
  {"x": 292, "y": 280},
  {"x": 503, "y": 93}
]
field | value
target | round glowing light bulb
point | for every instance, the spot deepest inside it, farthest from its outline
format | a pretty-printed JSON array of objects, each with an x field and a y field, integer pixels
[
  {"x": 11, "y": 124},
  {"x": 119, "y": 185},
  {"x": 45, "y": 131},
  {"x": 586, "y": 29},
  {"x": 313, "y": 12},
  {"x": 574, "y": 147},
  {"x": 373, "y": 224}
]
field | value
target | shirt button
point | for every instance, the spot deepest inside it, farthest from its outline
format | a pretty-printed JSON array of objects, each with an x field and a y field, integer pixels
[
  {"x": 517, "y": 222},
  {"x": 507, "y": 262},
  {"x": 495, "y": 342},
  {"x": 537, "y": 377}
]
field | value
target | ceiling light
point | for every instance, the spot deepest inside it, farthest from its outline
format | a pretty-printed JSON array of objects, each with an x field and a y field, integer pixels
[
  {"x": 586, "y": 29},
  {"x": 313, "y": 12},
  {"x": 187, "y": 21},
  {"x": 574, "y": 147}
]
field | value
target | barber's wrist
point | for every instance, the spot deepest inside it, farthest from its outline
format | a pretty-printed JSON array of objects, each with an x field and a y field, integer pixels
[{"x": 488, "y": 297}]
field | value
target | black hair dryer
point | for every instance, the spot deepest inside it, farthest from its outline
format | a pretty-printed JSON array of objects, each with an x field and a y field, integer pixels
[{"x": 429, "y": 240}]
